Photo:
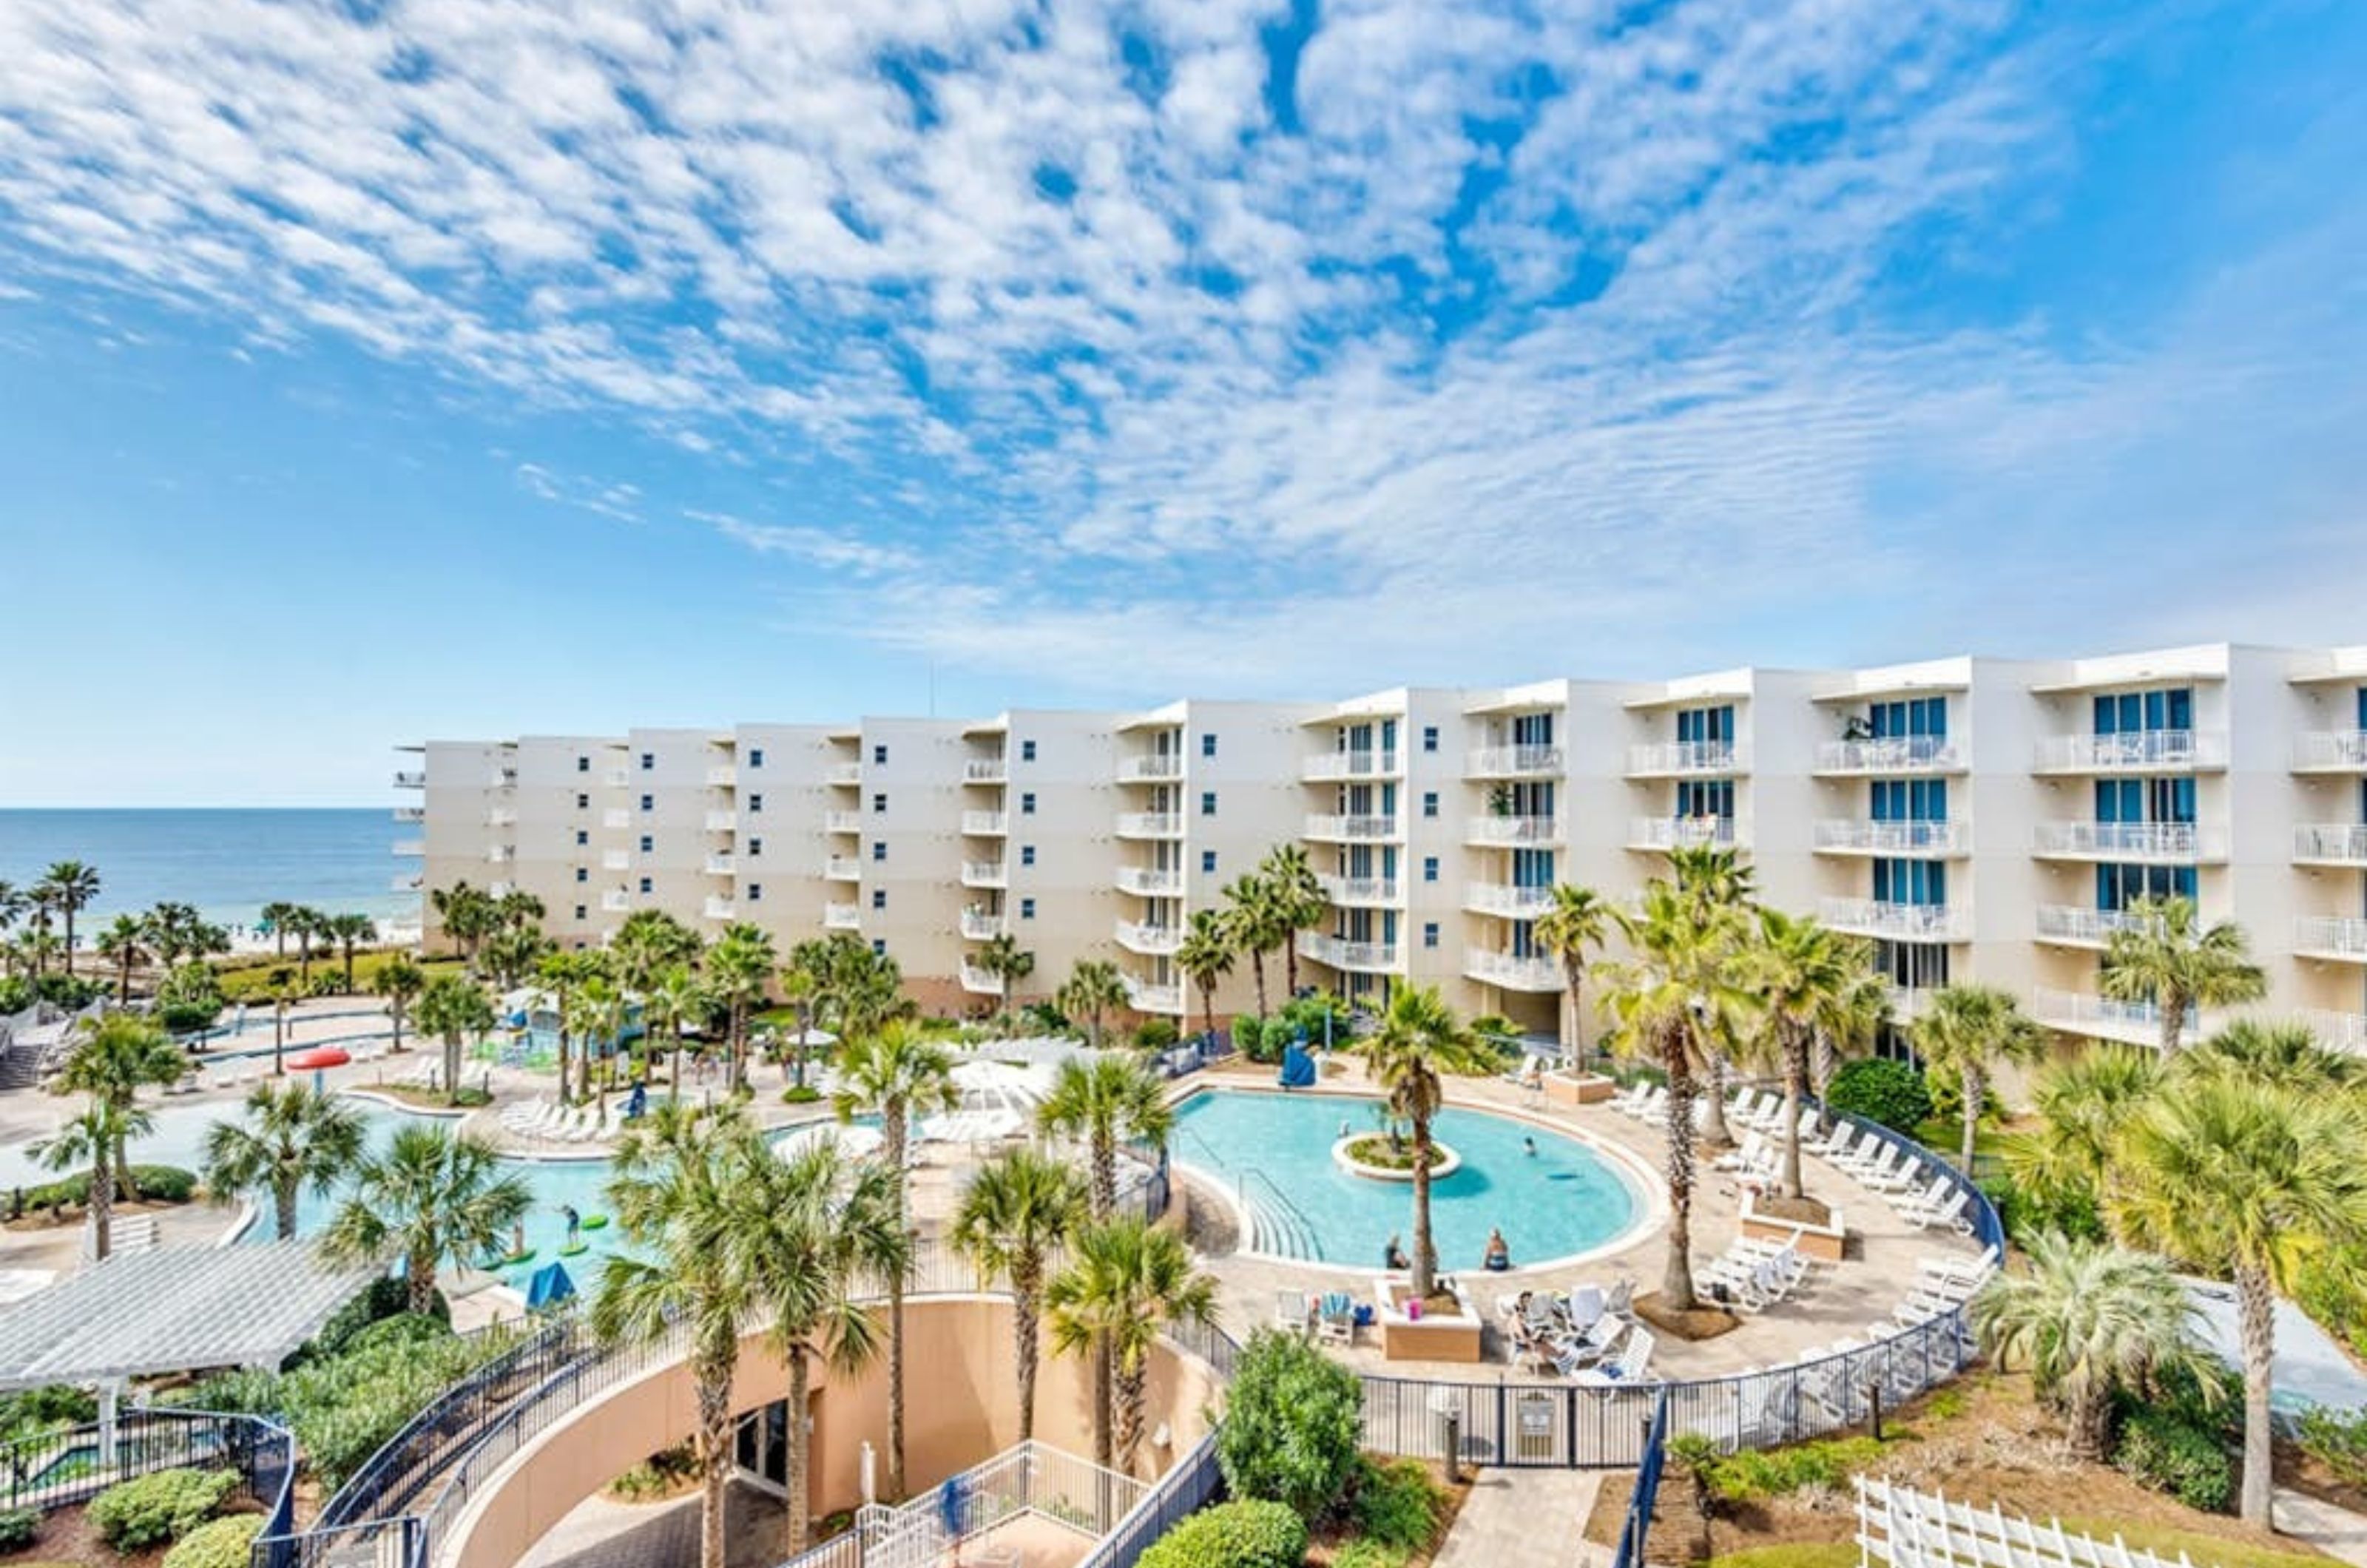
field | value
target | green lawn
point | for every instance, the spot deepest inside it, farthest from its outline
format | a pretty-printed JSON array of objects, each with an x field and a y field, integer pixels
[{"x": 247, "y": 978}]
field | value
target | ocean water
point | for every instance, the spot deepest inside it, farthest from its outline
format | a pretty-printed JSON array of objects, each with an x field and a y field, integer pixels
[{"x": 227, "y": 863}]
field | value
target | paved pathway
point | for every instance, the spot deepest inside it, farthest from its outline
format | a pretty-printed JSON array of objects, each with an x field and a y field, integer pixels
[
  {"x": 602, "y": 1533},
  {"x": 2335, "y": 1531},
  {"x": 1524, "y": 1517}
]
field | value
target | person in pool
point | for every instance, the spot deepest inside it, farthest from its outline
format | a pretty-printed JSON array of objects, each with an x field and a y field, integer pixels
[
  {"x": 1529, "y": 1147},
  {"x": 574, "y": 1221},
  {"x": 1500, "y": 1255},
  {"x": 1394, "y": 1260}
]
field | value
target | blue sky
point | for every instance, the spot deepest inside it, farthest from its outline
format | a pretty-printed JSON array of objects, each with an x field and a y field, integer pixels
[{"x": 390, "y": 368}]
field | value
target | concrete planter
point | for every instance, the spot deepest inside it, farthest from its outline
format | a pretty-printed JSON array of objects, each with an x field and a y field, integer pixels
[
  {"x": 1433, "y": 1337},
  {"x": 1579, "y": 1089},
  {"x": 1445, "y": 1161},
  {"x": 1823, "y": 1242}
]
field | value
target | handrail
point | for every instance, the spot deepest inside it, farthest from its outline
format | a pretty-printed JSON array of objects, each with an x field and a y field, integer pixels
[
  {"x": 262, "y": 1451},
  {"x": 1243, "y": 1176}
]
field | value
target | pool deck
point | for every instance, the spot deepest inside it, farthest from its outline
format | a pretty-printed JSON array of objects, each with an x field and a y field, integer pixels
[{"x": 1839, "y": 1301}]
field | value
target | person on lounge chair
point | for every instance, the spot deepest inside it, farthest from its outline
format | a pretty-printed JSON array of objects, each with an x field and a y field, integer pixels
[
  {"x": 1394, "y": 1260},
  {"x": 1500, "y": 1255}
]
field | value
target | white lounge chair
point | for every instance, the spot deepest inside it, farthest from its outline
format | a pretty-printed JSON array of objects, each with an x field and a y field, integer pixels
[
  {"x": 1948, "y": 1211},
  {"x": 1292, "y": 1311}
]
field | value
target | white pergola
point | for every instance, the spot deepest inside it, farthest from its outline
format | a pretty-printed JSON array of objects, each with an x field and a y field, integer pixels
[{"x": 174, "y": 1309}]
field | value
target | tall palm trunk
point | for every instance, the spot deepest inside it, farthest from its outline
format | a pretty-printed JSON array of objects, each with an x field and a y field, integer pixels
[
  {"x": 1821, "y": 1065},
  {"x": 1573, "y": 976},
  {"x": 2173, "y": 1029},
  {"x": 1795, "y": 1075},
  {"x": 102, "y": 1205},
  {"x": 894, "y": 1131},
  {"x": 714, "y": 1446},
  {"x": 1025, "y": 1286},
  {"x": 1103, "y": 1200},
  {"x": 1713, "y": 1130},
  {"x": 396, "y": 1010},
  {"x": 1208, "y": 1011},
  {"x": 1976, "y": 1088},
  {"x": 69, "y": 915},
  {"x": 1677, "y": 1275},
  {"x": 2255, "y": 1306},
  {"x": 419, "y": 1280},
  {"x": 793, "y": 1474},
  {"x": 452, "y": 1069},
  {"x": 1127, "y": 1392},
  {"x": 123, "y": 983},
  {"x": 1257, "y": 967},
  {"x": 1425, "y": 1261},
  {"x": 1290, "y": 964},
  {"x": 674, "y": 1068},
  {"x": 283, "y": 1204}
]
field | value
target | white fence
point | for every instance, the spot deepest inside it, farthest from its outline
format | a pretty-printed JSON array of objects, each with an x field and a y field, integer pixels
[
  {"x": 1033, "y": 1478},
  {"x": 1901, "y": 1528}
]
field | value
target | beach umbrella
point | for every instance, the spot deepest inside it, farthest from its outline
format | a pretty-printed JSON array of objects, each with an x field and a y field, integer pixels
[
  {"x": 318, "y": 1057},
  {"x": 550, "y": 1286}
]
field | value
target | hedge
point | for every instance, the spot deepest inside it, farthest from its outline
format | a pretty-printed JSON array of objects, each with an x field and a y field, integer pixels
[
  {"x": 223, "y": 1543},
  {"x": 162, "y": 1505},
  {"x": 1232, "y": 1534}
]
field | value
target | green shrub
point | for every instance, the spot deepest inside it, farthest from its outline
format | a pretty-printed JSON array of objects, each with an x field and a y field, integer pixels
[
  {"x": 162, "y": 1505},
  {"x": 223, "y": 1543},
  {"x": 19, "y": 1527},
  {"x": 1291, "y": 1426},
  {"x": 801, "y": 1094},
  {"x": 1155, "y": 1034},
  {"x": 2337, "y": 1439},
  {"x": 1754, "y": 1474},
  {"x": 188, "y": 1018},
  {"x": 191, "y": 985},
  {"x": 165, "y": 1183},
  {"x": 1397, "y": 1504},
  {"x": 2161, "y": 1450},
  {"x": 386, "y": 1297},
  {"x": 45, "y": 1409},
  {"x": 1891, "y": 1093},
  {"x": 2073, "y": 1214},
  {"x": 1232, "y": 1534},
  {"x": 1365, "y": 1552}
]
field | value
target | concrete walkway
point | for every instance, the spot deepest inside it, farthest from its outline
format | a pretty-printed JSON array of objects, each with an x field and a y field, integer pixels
[
  {"x": 2336, "y": 1531},
  {"x": 1523, "y": 1515}
]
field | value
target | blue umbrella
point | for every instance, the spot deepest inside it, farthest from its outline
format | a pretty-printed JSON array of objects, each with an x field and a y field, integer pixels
[{"x": 548, "y": 1287}]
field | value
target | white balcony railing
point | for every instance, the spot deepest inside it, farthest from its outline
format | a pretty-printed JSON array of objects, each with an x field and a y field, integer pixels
[
  {"x": 501, "y": 816},
  {"x": 985, "y": 770},
  {"x": 1512, "y": 761},
  {"x": 979, "y": 983},
  {"x": 841, "y": 822},
  {"x": 2080, "y": 925},
  {"x": 406, "y": 848},
  {"x": 2334, "y": 935},
  {"x": 1341, "y": 953},
  {"x": 1352, "y": 764},
  {"x": 1903, "y": 923},
  {"x": 2078, "y": 1012},
  {"x": 1858, "y": 836},
  {"x": 1153, "y": 768},
  {"x": 616, "y": 819},
  {"x": 984, "y": 873},
  {"x": 1500, "y": 898},
  {"x": 616, "y": 900},
  {"x": 723, "y": 822},
  {"x": 978, "y": 925},
  {"x": 843, "y": 774},
  {"x": 410, "y": 814},
  {"x": 723, "y": 776},
  {"x": 1145, "y": 995},
  {"x": 500, "y": 889},
  {"x": 2337, "y": 1031},
  {"x": 1514, "y": 972},
  {"x": 616, "y": 860},
  {"x": 842, "y": 917},
  {"x": 718, "y": 908},
  {"x": 1680, "y": 832},
  {"x": 1150, "y": 883},
  {"x": 2336, "y": 843},
  {"x": 1687, "y": 757},
  {"x": 2133, "y": 751},
  {"x": 841, "y": 868},
  {"x": 721, "y": 865},
  {"x": 1136, "y": 936},
  {"x": 1356, "y": 890},
  {"x": 2128, "y": 841},
  {"x": 1511, "y": 831},
  {"x": 410, "y": 778},
  {"x": 502, "y": 778},
  {"x": 1150, "y": 825},
  {"x": 985, "y": 824},
  {"x": 1351, "y": 828},
  {"x": 500, "y": 855},
  {"x": 1891, "y": 754},
  {"x": 2329, "y": 751}
]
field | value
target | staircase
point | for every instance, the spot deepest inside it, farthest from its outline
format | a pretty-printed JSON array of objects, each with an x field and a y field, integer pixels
[{"x": 1276, "y": 1226}]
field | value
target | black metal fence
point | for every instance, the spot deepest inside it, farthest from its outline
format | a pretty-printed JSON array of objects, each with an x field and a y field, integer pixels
[
  {"x": 1190, "y": 1484},
  {"x": 58, "y": 1468},
  {"x": 1640, "y": 1502}
]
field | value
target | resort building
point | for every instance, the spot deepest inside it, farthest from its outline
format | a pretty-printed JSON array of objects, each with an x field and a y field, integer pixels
[{"x": 1975, "y": 819}]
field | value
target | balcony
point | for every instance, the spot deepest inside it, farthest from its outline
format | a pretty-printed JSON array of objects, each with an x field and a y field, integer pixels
[
  {"x": 1665, "y": 833},
  {"x": 841, "y": 822},
  {"x": 410, "y": 778},
  {"x": 2076, "y": 925},
  {"x": 405, "y": 848},
  {"x": 1513, "y": 762},
  {"x": 501, "y": 816},
  {"x": 1512, "y": 903},
  {"x": 978, "y": 874},
  {"x": 979, "y": 983},
  {"x": 721, "y": 821},
  {"x": 1156, "y": 768},
  {"x": 985, "y": 824},
  {"x": 985, "y": 771},
  {"x": 978, "y": 925},
  {"x": 2174, "y": 842},
  {"x": 841, "y": 868},
  {"x": 499, "y": 890},
  {"x": 2077, "y": 1012},
  {"x": 1344, "y": 829},
  {"x": 616, "y": 819},
  {"x": 842, "y": 917},
  {"x": 2330, "y": 843},
  {"x": 1137, "y": 937},
  {"x": 1358, "y": 891},
  {"x": 721, "y": 865},
  {"x": 1371, "y": 957},
  {"x": 616, "y": 778},
  {"x": 1364, "y": 764},
  {"x": 615, "y": 901},
  {"x": 1148, "y": 883},
  {"x": 1511, "y": 972},
  {"x": 1900, "y": 922},
  {"x": 1679, "y": 759},
  {"x": 2318, "y": 752},
  {"x": 502, "y": 778},
  {"x": 2338, "y": 937},
  {"x": 405, "y": 885},
  {"x": 1929, "y": 840},
  {"x": 1512, "y": 831},
  {"x": 500, "y": 855},
  {"x": 2337, "y": 1031},
  {"x": 843, "y": 774},
  {"x": 723, "y": 776},
  {"x": 410, "y": 814},
  {"x": 1150, "y": 825},
  {"x": 616, "y": 860},
  {"x": 718, "y": 908},
  {"x": 1144, "y": 996},
  {"x": 1891, "y": 754},
  {"x": 2135, "y": 752}
]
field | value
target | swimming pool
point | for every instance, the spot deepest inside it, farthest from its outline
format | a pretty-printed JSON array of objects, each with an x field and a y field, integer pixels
[{"x": 1273, "y": 1154}]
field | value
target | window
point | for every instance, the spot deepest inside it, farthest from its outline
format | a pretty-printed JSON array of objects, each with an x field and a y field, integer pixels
[
  {"x": 1027, "y": 750},
  {"x": 1922, "y": 881},
  {"x": 1208, "y": 861},
  {"x": 582, "y": 839},
  {"x": 879, "y": 898},
  {"x": 755, "y": 893},
  {"x": 755, "y": 848},
  {"x": 878, "y": 802},
  {"x": 1911, "y": 719},
  {"x": 645, "y": 884},
  {"x": 1429, "y": 738},
  {"x": 755, "y": 802},
  {"x": 648, "y": 844},
  {"x": 582, "y": 764},
  {"x": 582, "y": 803},
  {"x": 880, "y": 756},
  {"x": 1027, "y": 854},
  {"x": 879, "y": 947},
  {"x": 649, "y": 803},
  {"x": 1028, "y": 908},
  {"x": 581, "y": 911},
  {"x": 878, "y": 849},
  {"x": 1207, "y": 802},
  {"x": 1028, "y": 804},
  {"x": 582, "y": 874},
  {"x": 1207, "y": 743},
  {"x": 1705, "y": 797},
  {"x": 1430, "y": 868},
  {"x": 1430, "y": 933},
  {"x": 649, "y": 760},
  {"x": 755, "y": 756},
  {"x": 1430, "y": 803}
]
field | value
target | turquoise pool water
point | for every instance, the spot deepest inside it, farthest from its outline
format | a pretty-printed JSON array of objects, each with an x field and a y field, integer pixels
[{"x": 1273, "y": 1152}]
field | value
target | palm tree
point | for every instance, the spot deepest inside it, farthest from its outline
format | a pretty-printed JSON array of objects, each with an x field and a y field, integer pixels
[
  {"x": 601, "y": 1013},
  {"x": 2276, "y": 1052},
  {"x": 804, "y": 981},
  {"x": 1579, "y": 923},
  {"x": 2164, "y": 958},
  {"x": 681, "y": 1191},
  {"x": 275, "y": 915},
  {"x": 1970, "y": 1031},
  {"x": 1804, "y": 975},
  {"x": 467, "y": 914},
  {"x": 431, "y": 1197},
  {"x": 678, "y": 997},
  {"x": 1720, "y": 891},
  {"x": 2090, "y": 1319},
  {"x": 862, "y": 991},
  {"x": 649, "y": 941},
  {"x": 449, "y": 1007},
  {"x": 739, "y": 968},
  {"x": 2083, "y": 1105},
  {"x": 124, "y": 943},
  {"x": 1008, "y": 962},
  {"x": 1419, "y": 1044},
  {"x": 1299, "y": 899},
  {"x": 1126, "y": 1283},
  {"x": 825, "y": 1229},
  {"x": 899, "y": 1073},
  {"x": 117, "y": 1056},
  {"x": 310, "y": 926},
  {"x": 1205, "y": 956},
  {"x": 279, "y": 984},
  {"x": 2253, "y": 1178},
  {"x": 175, "y": 932},
  {"x": 348, "y": 931},
  {"x": 288, "y": 1138},
  {"x": 563, "y": 974},
  {"x": 90, "y": 1138},
  {"x": 1253, "y": 925},
  {"x": 509, "y": 955},
  {"x": 1018, "y": 1211},
  {"x": 1096, "y": 988},
  {"x": 400, "y": 981},
  {"x": 70, "y": 887}
]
